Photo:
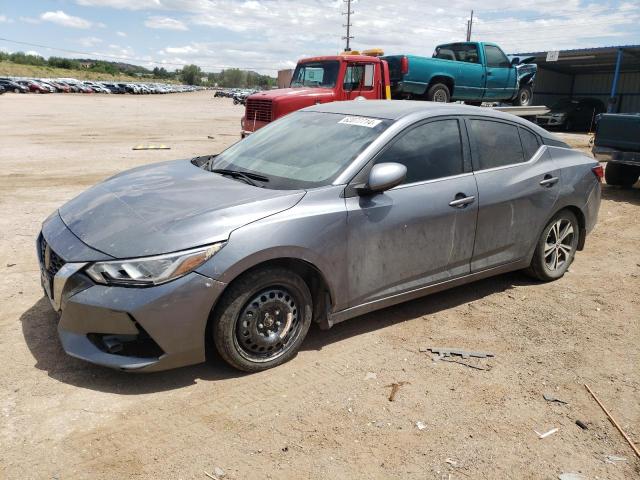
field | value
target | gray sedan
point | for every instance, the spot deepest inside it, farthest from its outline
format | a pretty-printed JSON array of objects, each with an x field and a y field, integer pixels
[{"x": 329, "y": 213}]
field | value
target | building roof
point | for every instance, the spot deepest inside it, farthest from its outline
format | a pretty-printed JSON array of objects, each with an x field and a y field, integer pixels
[{"x": 589, "y": 60}]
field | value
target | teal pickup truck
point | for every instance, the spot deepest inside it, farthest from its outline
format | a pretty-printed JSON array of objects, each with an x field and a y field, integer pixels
[{"x": 474, "y": 72}]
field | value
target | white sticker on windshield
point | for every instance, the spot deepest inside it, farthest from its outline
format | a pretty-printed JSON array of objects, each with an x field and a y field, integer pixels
[{"x": 361, "y": 121}]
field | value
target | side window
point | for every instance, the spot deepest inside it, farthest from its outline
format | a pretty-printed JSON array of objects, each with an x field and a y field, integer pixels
[
  {"x": 530, "y": 143},
  {"x": 497, "y": 143},
  {"x": 429, "y": 151},
  {"x": 359, "y": 77},
  {"x": 495, "y": 57}
]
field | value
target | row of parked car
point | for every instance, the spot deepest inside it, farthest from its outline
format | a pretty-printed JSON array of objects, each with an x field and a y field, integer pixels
[
  {"x": 71, "y": 85},
  {"x": 239, "y": 95}
]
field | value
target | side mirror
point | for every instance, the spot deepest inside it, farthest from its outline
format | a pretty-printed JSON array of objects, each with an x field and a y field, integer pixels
[
  {"x": 384, "y": 176},
  {"x": 515, "y": 61}
]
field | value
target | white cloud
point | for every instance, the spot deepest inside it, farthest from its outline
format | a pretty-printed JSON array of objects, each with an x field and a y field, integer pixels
[
  {"x": 273, "y": 34},
  {"x": 61, "y": 18},
  {"x": 89, "y": 42},
  {"x": 5, "y": 19},
  {"x": 121, "y": 34},
  {"x": 165, "y": 23}
]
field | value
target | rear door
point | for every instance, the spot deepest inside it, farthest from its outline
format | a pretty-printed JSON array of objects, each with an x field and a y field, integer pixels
[
  {"x": 501, "y": 79},
  {"x": 518, "y": 185},
  {"x": 412, "y": 235}
]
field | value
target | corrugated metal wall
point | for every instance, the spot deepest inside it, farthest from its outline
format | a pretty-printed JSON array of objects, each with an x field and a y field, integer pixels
[{"x": 552, "y": 86}]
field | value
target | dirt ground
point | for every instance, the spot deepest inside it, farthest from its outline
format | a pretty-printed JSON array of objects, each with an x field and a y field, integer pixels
[{"x": 325, "y": 414}]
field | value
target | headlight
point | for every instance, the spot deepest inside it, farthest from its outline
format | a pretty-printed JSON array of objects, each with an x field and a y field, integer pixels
[{"x": 151, "y": 270}]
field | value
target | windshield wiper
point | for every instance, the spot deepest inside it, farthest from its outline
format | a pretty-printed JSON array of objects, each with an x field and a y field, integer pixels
[{"x": 248, "y": 177}]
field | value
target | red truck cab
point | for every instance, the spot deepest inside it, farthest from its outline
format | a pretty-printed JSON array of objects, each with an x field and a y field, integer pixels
[{"x": 320, "y": 80}]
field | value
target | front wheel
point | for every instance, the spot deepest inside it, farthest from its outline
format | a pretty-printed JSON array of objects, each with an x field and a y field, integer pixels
[
  {"x": 262, "y": 319},
  {"x": 439, "y": 92},
  {"x": 556, "y": 247},
  {"x": 525, "y": 94}
]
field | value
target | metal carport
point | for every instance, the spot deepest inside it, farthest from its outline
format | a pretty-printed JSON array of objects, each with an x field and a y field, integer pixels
[{"x": 610, "y": 74}]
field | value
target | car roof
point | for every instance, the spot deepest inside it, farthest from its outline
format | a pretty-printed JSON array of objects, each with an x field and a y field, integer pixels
[{"x": 397, "y": 109}]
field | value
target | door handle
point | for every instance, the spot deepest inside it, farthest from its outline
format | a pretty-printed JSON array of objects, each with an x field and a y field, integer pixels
[
  {"x": 462, "y": 201},
  {"x": 489, "y": 74},
  {"x": 548, "y": 181}
]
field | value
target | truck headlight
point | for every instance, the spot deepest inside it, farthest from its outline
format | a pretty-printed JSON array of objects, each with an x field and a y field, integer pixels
[{"x": 148, "y": 271}]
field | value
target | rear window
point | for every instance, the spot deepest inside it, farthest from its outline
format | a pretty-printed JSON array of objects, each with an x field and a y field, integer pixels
[{"x": 530, "y": 143}]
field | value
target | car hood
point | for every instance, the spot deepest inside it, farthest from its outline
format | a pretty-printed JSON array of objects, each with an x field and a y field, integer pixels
[
  {"x": 166, "y": 207},
  {"x": 293, "y": 92}
]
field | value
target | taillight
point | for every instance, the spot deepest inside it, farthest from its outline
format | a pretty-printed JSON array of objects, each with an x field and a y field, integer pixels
[
  {"x": 404, "y": 65},
  {"x": 598, "y": 171}
]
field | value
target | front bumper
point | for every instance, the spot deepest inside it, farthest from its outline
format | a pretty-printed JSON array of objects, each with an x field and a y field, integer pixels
[
  {"x": 550, "y": 121},
  {"x": 141, "y": 329}
]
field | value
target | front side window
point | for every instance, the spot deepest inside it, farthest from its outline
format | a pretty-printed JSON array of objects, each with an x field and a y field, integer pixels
[
  {"x": 359, "y": 76},
  {"x": 301, "y": 150},
  {"x": 495, "y": 57},
  {"x": 429, "y": 151},
  {"x": 316, "y": 74},
  {"x": 497, "y": 144}
]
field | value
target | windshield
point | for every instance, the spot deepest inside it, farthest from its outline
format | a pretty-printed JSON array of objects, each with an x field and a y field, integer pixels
[
  {"x": 316, "y": 74},
  {"x": 301, "y": 150}
]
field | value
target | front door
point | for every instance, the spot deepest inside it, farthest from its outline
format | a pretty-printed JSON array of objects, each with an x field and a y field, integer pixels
[
  {"x": 359, "y": 81},
  {"x": 501, "y": 79},
  {"x": 418, "y": 233},
  {"x": 518, "y": 184}
]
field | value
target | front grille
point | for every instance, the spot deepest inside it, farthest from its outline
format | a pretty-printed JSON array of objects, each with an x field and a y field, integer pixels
[
  {"x": 50, "y": 260},
  {"x": 258, "y": 110}
]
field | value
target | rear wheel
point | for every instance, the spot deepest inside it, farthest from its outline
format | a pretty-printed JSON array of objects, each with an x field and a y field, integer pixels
[
  {"x": 525, "y": 94},
  {"x": 439, "y": 92},
  {"x": 621, "y": 175},
  {"x": 262, "y": 319},
  {"x": 556, "y": 247}
]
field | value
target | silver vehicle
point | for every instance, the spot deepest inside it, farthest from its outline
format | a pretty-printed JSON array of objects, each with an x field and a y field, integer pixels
[{"x": 326, "y": 214}]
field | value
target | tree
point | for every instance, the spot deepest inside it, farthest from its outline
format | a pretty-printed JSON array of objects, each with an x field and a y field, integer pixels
[{"x": 191, "y": 74}]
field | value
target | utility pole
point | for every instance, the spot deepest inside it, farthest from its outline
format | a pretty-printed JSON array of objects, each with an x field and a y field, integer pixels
[
  {"x": 348, "y": 37},
  {"x": 469, "y": 27}
]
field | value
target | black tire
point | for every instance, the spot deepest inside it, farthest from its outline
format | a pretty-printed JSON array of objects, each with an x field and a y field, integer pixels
[
  {"x": 524, "y": 97},
  {"x": 539, "y": 267},
  {"x": 16, "y": 90},
  {"x": 439, "y": 92},
  {"x": 255, "y": 296},
  {"x": 620, "y": 174}
]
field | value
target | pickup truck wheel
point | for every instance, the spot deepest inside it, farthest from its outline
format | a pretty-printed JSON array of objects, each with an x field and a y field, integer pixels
[
  {"x": 556, "y": 247},
  {"x": 525, "y": 94},
  {"x": 621, "y": 175},
  {"x": 262, "y": 319},
  {"x": 439, "y": 92}
]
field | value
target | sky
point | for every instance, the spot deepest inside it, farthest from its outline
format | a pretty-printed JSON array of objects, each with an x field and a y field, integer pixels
[{"x": 268, "y": 35}]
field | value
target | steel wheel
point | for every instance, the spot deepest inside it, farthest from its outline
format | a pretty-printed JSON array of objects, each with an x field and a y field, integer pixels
[
  {"x": 268, "y": 325},
  {"x": 440, "y": 96},
  {"x": 559, "y": 244},
  {"x": 524, "y": 97}
]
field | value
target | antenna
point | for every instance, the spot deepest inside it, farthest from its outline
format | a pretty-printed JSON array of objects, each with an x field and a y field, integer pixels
[
  {"x": 469, "y": 27},
  {"x": 348, "y": 26}
]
